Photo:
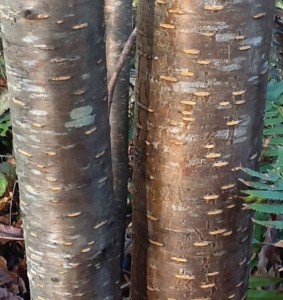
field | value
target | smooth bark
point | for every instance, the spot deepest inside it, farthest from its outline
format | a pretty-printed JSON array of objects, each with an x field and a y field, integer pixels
[
  {"x": 118, "y": 29},
  {"x": 56, "y": 69},
  {"x": 202, "y": 75}
]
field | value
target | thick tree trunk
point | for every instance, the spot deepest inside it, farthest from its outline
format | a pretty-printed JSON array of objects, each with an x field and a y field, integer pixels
[
  {"x": 201, "y": 90},
  {"x": 55, "y": 62},
  {"x": 118, "y": 29}
]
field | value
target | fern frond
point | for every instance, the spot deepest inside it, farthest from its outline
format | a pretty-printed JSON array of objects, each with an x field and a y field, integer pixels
[
  {"x": 268, "y": 195},
  {"x": 273, "y": 224},
  {"x": 275, "y": 209}
]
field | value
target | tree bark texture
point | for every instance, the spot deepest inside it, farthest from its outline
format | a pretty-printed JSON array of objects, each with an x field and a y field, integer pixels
[
  {"x": 56, "y": 68},
  {"x": 277, "y": 39},
  {"x": 200, "y": 94},
  {"x": 118, "y": 29}
]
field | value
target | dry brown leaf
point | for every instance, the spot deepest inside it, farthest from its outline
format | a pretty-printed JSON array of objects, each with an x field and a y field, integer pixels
[{"x": 10, "y": 233}]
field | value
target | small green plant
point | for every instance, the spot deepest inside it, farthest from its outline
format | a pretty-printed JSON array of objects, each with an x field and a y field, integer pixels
[
  {"x": 2, "y": 68},
  {"x": 257, "y": 285},
  {"x": 264, "y": 196},
  {"x": 267, "y": 193},
  {"x": 3, "y": 184},
  {"x": 279, "y": 4},
  {"x": 5, "y": 124},
  {"x": 5, "y": 133}
]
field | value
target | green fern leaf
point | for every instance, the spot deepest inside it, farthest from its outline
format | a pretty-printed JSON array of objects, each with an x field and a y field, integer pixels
[
  {"x": 256, "y": 281},
  {"x": 268, "y": 195},
  {"x": 273, "y": 131},
  {"x": 273, "y": 224},
  {"x": 276, "y": 141},
  {"x": 3, "y": 184},
  {"x": 266, "y": 295},
  {"x": 278, "y": 186},
  {"x": 267, "y": 208},
  {"x": 273, "y": 121},
  {"x": 271, "y": 112},
  {"x": 264, "y": 176}
]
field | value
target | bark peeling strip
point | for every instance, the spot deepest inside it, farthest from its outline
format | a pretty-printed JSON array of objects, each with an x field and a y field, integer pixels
[
  {"x": 51, "y": 153},
  {"x": 24, "y": 153},
  {"x": 233, "y": 122},
  {"x": 259, "y": 15},
  {"x": 100, "y": 154},
  {"x": 100, "y": 224},
  {"x": 240, "y": 284},
  {"x": 242, "y": 262},
  {"x": 227, "y": 233},
  {"x": 152, "y": 218},
  {"x": 213, "y": 155},
  {"x": 230, "y": 206},
  {"x": 228, "y": 186},
  {"x": 211, "y": 197},
  {"x": 202, "y": 244},
  {"x": 207, "y": 286},
  {"x": 220, "y": 164},
  {"x": 203, "y": 62},
  {"x": 80, "y": 26},
  {"x": 191, "y": 51},
  {"x": 167, "y": 26},
  {"x": 168, "y": 78},
  {"x": 188, "y": 102},
  {"x": 91, "y": 130},
  {"x": 215, "y": 212},
  {"x": 75, "y": 214},
  {"x": 212, "y": 274},
  {"x": 216, "y": 232},
  {"x": 209, "y": 146},
  {"x": 85, "y": 250},
  {"x": 156, "y": 243},
  {"x": 185, "y": 277},
  {"x": 19, "y": 102},
  {"x": 214, "y": 7},
  {"x": 152, "y": 289},
  {"x": 80, "y": 92},
  {"x": 179, "y": 259},
  {"x": 61, "y": 78}
]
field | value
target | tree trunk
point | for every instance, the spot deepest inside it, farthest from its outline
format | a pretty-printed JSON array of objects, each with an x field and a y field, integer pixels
[
  {"x": 118, "y": 29},
  {"x": 277, "y": 39},
  {"x": 55, "y": 62},
  {"x": 201, "y": 96}
]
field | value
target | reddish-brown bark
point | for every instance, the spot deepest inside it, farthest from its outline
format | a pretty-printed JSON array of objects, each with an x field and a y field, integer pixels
[{"x": 200, "y": 94}]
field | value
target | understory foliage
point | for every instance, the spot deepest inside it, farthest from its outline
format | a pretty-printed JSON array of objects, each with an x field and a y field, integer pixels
[
  {"x": 13, "y": 274},
  {"x": 264, "y": 195}
]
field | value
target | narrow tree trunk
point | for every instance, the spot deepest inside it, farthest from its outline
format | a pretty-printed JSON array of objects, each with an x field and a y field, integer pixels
[
  {"x": 55, "y": 62},
  {"x": 118, "y": 29},
  {"x": 277, "y": 39},
  {"x": 201, "y": 90}
]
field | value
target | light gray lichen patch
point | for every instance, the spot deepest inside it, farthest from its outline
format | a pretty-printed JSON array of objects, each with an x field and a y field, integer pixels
[
  {"x": 81, "y": 116},
  {"x": 224, "y": 37},
  {"x": 38, "y": 112},
  {"x": 189, "y": 87},
  {"x": 30, "y": 38},
  {"x": 254, "y": 41}
]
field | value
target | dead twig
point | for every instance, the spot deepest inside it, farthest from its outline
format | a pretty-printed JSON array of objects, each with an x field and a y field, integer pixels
[{"x": 121, "y": 61}]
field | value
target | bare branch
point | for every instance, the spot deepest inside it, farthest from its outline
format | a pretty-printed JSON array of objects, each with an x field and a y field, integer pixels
[{"x": 125, "y": 53}]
